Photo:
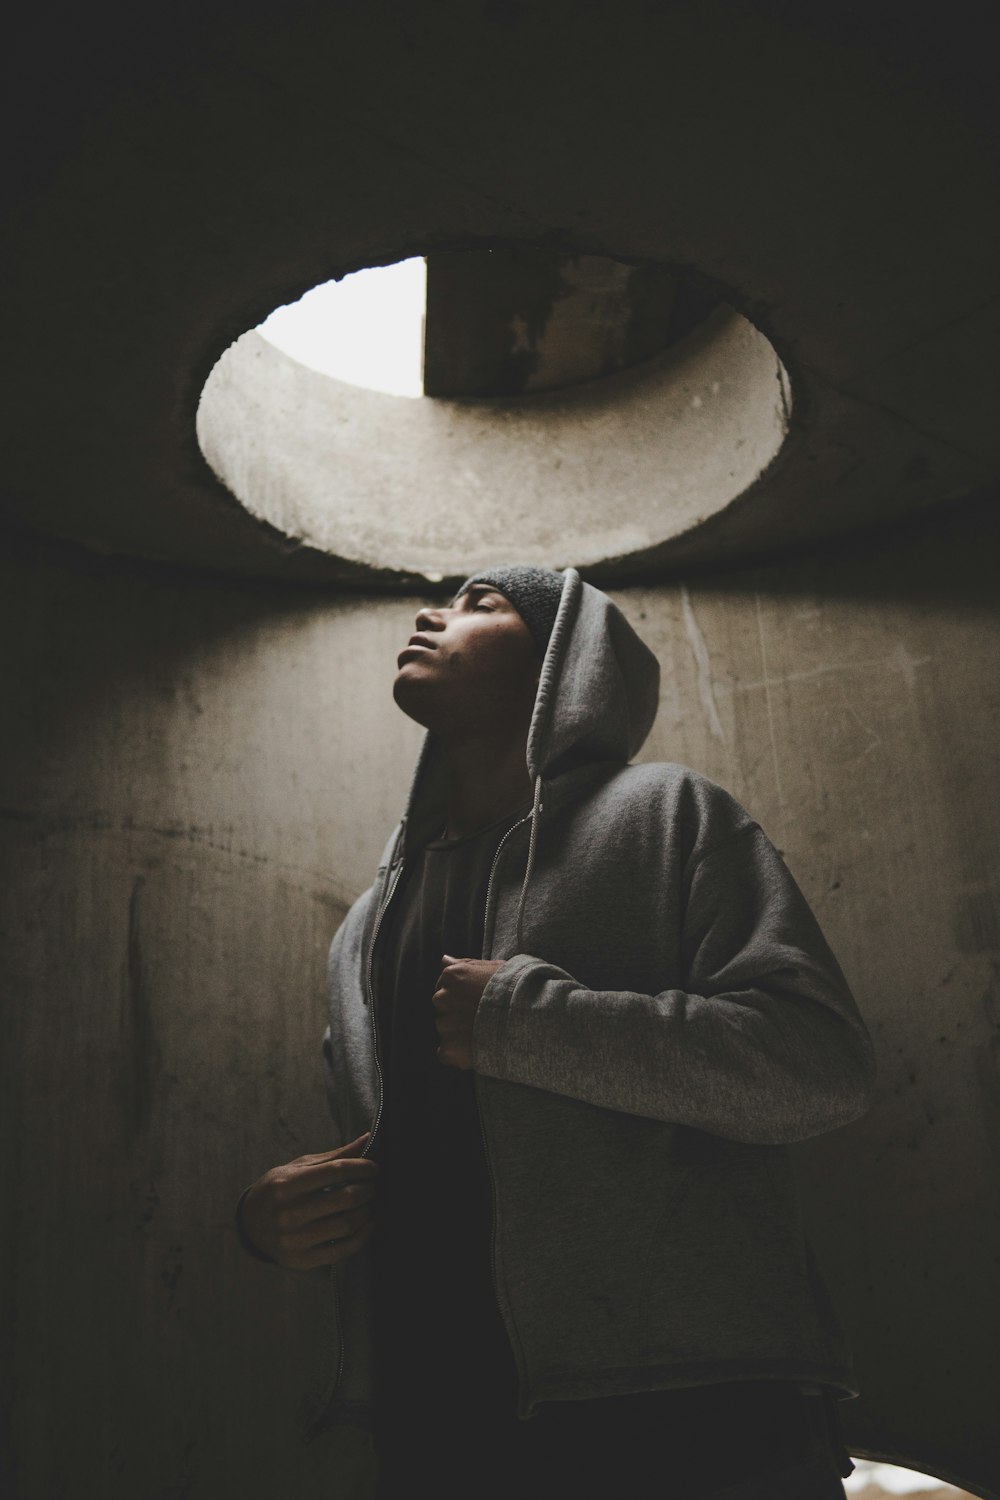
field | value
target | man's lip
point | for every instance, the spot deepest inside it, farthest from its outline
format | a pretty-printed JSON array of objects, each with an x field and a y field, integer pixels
[{"x": 415, "y": 646}]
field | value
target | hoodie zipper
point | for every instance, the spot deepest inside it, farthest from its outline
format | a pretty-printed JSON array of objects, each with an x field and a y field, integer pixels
[{"x": 493, "y": 870}]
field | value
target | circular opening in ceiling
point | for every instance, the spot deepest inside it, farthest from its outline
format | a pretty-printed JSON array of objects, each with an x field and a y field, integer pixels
[{"x": 577, "y": 409}]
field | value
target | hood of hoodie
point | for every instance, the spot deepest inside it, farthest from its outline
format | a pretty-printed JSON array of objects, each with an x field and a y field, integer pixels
[
  {"x": 597, "y": 698},
  {"x": 599, "y": 687}
]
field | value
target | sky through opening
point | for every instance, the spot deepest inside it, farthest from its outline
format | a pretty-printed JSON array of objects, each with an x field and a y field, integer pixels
[{"x": 367, "y": 329}]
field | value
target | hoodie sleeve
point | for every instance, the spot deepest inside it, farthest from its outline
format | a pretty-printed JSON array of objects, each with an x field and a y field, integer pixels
[
  {"x": 762, "y": 1041},
  {"x": 348, "y": 1063}
]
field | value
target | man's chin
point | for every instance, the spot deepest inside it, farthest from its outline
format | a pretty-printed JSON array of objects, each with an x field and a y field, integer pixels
[{"x": 413, "y": 697}]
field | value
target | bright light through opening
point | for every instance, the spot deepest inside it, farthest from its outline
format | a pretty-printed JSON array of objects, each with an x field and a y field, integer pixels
[
  {"x": 367, "y": 330},
  {"x": 889, "y": 1479}
]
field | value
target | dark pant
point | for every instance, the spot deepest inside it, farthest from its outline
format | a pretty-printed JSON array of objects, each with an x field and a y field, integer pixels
[{"x": 748, "y": 1440}]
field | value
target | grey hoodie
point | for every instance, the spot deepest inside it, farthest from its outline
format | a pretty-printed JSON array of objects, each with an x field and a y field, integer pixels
[{"x": 667, "y": 1019}]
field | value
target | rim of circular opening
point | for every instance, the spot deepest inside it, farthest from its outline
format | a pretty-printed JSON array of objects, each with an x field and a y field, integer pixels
[{"x": 437, "y": 487}]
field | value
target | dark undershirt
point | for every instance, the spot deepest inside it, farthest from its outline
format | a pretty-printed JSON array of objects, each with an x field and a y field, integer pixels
[
  {"x": 437, "y": 1317},
  {"x": 446, "y": 1382}
]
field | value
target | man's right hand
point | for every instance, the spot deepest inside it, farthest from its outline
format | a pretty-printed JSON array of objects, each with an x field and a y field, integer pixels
[{"x": 314, "y": 1211}]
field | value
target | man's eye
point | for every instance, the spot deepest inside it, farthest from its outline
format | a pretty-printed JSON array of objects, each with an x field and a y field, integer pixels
[{"x": 487, "y": 607}]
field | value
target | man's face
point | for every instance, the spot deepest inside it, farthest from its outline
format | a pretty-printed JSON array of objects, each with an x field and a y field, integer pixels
[{"x": 471, "y": 669}]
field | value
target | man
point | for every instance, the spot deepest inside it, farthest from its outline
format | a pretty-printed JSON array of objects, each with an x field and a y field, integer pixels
[{"x": 573, "y": 1026}]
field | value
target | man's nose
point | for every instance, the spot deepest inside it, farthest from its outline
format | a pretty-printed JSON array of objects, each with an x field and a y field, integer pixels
[{"x": 430, "y": 619}]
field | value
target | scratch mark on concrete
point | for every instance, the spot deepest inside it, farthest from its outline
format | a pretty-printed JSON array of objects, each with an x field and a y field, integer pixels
[
  {"x": 141, "y": 1058},
  {"x": 288, "y": 1132},
  {"x": 766, "y": 681},
  {"x": 172, "y": 1272},
  {"x": 785, "y": 677},
  {"x": 699, "y": 650},
  {"x": 52, "y": 825},
  {"x": 903, "y": 662},
  {"x": 874, "y": 740},
  {"x": 898, "y": 660},
  {"x": 785, "y": 392}
]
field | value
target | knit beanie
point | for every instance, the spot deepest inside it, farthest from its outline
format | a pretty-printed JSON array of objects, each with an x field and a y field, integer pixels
[{"x": 534, "y": 593}]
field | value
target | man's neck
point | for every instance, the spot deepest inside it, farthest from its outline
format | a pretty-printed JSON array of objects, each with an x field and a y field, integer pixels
[{"x": 487, "y": 779}]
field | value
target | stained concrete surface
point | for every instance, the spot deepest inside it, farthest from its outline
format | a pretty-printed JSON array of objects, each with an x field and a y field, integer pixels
[{"x": 199, "y": 776}]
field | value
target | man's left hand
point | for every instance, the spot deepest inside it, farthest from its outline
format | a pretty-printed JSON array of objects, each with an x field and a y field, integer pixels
[{"x": 459, "y": 991}]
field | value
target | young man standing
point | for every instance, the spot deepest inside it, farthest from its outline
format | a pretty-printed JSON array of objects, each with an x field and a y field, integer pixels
[{"x": 573, "y": 1026}]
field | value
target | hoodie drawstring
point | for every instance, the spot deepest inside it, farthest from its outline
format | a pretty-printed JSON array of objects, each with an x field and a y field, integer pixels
[{"x": 536, "y": 809}]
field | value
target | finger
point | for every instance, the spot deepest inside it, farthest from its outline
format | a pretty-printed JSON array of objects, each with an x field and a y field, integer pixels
[
  {"x": 316, "y": 1206},
  {"x": 355, "y": 1146},
  {"x": 331, "y": 1229},
  {"x": 453, "y": 1058},
  {"x": 333, "y": 1253},
  {"x": 334, "y": 1174},
  {"x": 296, "y": 1182},
  {"x": 447, "y": 996},
  {"x": 351, "y": 1148}
]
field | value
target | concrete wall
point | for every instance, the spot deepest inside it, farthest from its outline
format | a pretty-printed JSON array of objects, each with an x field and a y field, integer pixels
[{"x": 199, "y": 774}]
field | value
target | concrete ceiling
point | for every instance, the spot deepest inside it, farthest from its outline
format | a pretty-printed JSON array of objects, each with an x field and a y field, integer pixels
[{"x": 833, "y": 179}]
